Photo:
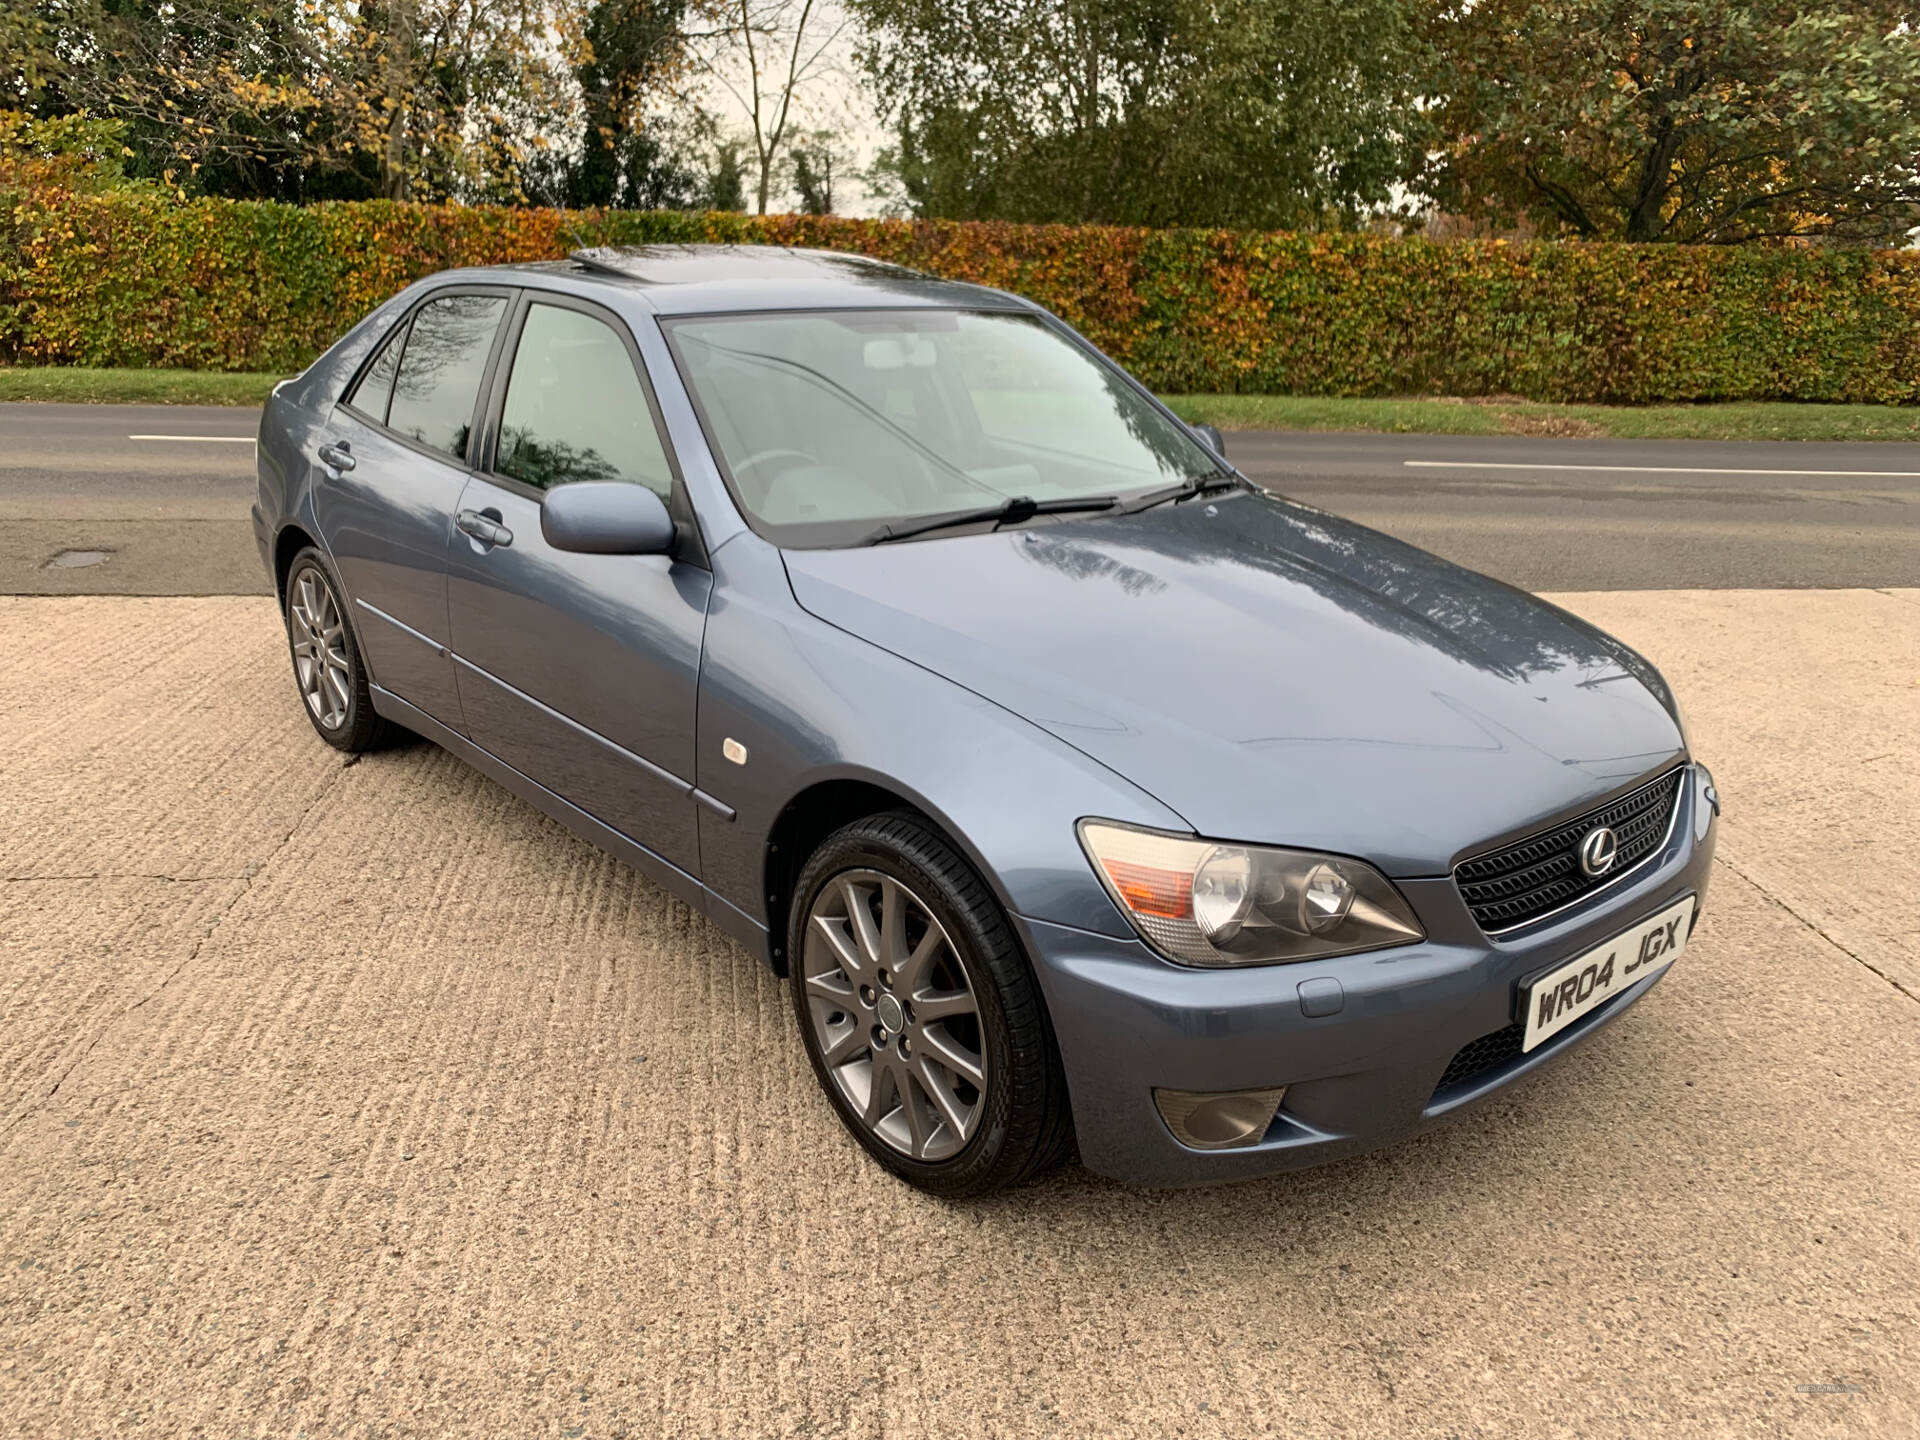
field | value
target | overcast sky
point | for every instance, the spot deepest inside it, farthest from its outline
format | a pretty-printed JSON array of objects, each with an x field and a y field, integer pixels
[{"x": 833, "y": 99}]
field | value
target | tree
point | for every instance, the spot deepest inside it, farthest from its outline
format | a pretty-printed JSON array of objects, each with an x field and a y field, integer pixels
[
  {"x": 1152, "y": 112},
  {"x": 769, "y": 53},
  {"x": 449, "y": 94},
  {"x": 632, "y": 50},
  {"x": 726, "y": 187},
  {"x": 217, "y": 96},
  {"x": 29, "y": 57},
  {"x": 413, "y": 99},
  {"x": 1681, "y": 120},
  {"x": 814, "y": 160}
]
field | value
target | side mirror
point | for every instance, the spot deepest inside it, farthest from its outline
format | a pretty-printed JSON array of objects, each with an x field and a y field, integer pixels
[
  {"x": 606, "y": 517},
  {"x": 1215, "y": 441}
]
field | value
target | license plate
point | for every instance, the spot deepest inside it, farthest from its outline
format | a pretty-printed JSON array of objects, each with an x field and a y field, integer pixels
[{"x": 1565, "y": 993}]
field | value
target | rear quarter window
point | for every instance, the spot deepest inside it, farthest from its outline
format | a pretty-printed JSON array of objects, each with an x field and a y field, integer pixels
[{"x": 374, "y": 388}]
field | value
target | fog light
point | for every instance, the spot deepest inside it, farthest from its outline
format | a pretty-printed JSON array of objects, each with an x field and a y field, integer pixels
[{"x": 1224, "y": 1120}]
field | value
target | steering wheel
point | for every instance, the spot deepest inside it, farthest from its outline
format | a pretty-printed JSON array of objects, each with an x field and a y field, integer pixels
[
  {"x": 755, "y": 486},
  {"x": 761, "y": 457}
]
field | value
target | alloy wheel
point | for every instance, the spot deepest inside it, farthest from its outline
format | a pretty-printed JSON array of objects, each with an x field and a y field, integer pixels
[
  {"x": 894, "y": 1015},
  {"x": 320, "y": 649}
]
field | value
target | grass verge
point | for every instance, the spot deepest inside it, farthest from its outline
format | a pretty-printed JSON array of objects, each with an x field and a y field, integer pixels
[
  {"x": 1507, "y": 416},
  {"x": 1499, "y": 415},
  {"x": 133, "y": 387}
]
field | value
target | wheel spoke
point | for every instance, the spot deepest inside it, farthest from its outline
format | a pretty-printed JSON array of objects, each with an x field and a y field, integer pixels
[
  {"x": 833, "y": 987},
  {"x": 892, "y": 941},
  {"x": 844, "y": 950},
  {"x": 917, "y": 1127},
  {"x": 952, "y": 1054},
  {"x": 860, "y": 918},
  {"x": 908, "y": 972},
  {"x": 938, "y": 1091},
  {"x": 931, "y": 1005},
  {"x": 878, "y": 1093},
  {"x": 850, "y": 1046}
]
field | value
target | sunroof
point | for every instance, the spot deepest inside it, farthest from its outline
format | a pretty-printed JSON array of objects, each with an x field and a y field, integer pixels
[{"x": 685, "y": 264}]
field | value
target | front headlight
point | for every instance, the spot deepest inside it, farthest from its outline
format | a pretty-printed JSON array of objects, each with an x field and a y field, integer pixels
[{"x": 1201, "y": 903}]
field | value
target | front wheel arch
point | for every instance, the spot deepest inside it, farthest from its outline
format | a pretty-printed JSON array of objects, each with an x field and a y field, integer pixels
[{"x": 818, "y": 811}]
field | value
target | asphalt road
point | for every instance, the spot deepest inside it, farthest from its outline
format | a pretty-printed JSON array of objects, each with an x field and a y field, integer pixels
[
  {"x": 162, "y": 492},
  {"x": 358, "y": 1099},
  {"x": 169, "y": 516}
]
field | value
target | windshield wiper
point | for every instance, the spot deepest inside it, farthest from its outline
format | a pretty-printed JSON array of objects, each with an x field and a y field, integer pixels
[
  {"x": 1188, "y": 488},
  {"x": 1007, "y": 512}
]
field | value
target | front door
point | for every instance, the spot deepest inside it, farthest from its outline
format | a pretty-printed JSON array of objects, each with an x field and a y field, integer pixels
[
  {"x": 392, "y": 471},
  {"x": 580, "y": 671}
]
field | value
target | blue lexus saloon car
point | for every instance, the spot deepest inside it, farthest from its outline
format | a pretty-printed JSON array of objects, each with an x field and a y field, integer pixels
[{"x": 1087, "y": 798}]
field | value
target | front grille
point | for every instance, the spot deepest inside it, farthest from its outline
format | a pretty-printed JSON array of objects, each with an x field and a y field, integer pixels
[
  {"x": 1524, "y": 881},
  {"x": 1477, "y": 1057}
]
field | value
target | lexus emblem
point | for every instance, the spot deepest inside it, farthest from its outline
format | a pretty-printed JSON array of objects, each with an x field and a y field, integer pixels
[{"x": 1598, "y": 851}]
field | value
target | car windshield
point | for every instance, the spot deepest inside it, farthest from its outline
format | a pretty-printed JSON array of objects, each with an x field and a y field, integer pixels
[{"x": 836, "y": 426}]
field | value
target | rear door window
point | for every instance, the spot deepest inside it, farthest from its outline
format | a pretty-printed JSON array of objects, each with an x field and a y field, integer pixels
[{"x": 438, "y": 383}]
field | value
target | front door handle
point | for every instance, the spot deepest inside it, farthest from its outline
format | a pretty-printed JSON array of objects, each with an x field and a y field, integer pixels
[
  {"x": 337, "y": 456},
  {"x": 484, "y": 526}
]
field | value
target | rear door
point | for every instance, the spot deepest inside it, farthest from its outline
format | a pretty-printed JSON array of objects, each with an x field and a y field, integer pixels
[
  {"x": 392, "y": 472},
  {"x": 580, "y": 671}
]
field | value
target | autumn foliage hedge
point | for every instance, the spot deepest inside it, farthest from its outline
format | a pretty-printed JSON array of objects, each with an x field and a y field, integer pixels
[{"x": 127, "y": 277}]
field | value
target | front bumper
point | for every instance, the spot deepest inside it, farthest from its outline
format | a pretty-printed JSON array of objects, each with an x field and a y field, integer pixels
[{"x": 1128, "y": 1022}]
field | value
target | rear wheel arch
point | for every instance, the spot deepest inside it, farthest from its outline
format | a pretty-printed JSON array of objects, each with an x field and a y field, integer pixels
[{"x": 288, "y": 543}]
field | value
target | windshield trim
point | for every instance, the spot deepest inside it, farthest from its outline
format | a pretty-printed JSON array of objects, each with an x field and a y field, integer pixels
[{"x": 852, "y": 534}]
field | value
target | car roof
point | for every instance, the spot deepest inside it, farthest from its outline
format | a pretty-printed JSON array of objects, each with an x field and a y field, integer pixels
[{"x": 721, "y": 279}]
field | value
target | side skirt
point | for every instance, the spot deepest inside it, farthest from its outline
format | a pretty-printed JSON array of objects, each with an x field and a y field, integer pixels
[{"x": 741, "y": 926}]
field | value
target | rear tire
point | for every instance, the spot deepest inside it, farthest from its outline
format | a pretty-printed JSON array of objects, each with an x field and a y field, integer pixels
[
  {"x": 921, "y": 1014},
  {"x": 328, "y": 672}
]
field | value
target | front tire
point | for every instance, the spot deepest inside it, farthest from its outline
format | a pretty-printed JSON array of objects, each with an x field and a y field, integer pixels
[
  {"x": 920, "y": 1013},
  {"x": 327, "y": 668}
]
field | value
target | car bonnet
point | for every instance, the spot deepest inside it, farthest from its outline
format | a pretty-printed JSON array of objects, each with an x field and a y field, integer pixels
[{"x": 1272, "y": 673}]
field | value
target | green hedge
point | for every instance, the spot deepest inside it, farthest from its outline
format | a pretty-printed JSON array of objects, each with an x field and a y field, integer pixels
[{"x": 130, "y": 278}]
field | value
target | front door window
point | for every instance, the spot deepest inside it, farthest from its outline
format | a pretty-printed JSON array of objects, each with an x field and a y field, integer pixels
[{"x": 575, "y": 410}]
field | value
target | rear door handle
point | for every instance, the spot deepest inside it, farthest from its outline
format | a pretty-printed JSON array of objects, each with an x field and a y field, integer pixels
[
  {"x": 337, "y": 457},
  {"x": 484, "y": 526}
]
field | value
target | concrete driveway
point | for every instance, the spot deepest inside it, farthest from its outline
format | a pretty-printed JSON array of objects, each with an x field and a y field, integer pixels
[{"x": 359, "y": 1100}]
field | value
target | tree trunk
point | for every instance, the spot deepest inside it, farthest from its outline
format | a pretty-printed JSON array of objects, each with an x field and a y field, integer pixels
[
  {"x": 1645, "y": 221},
  {"x": 393, "y": 163}
]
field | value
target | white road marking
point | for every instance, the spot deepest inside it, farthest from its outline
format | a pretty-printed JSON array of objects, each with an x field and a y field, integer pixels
[
  {"x": 1644, "y": 469},
  {"x": 205, "y": 439}
]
